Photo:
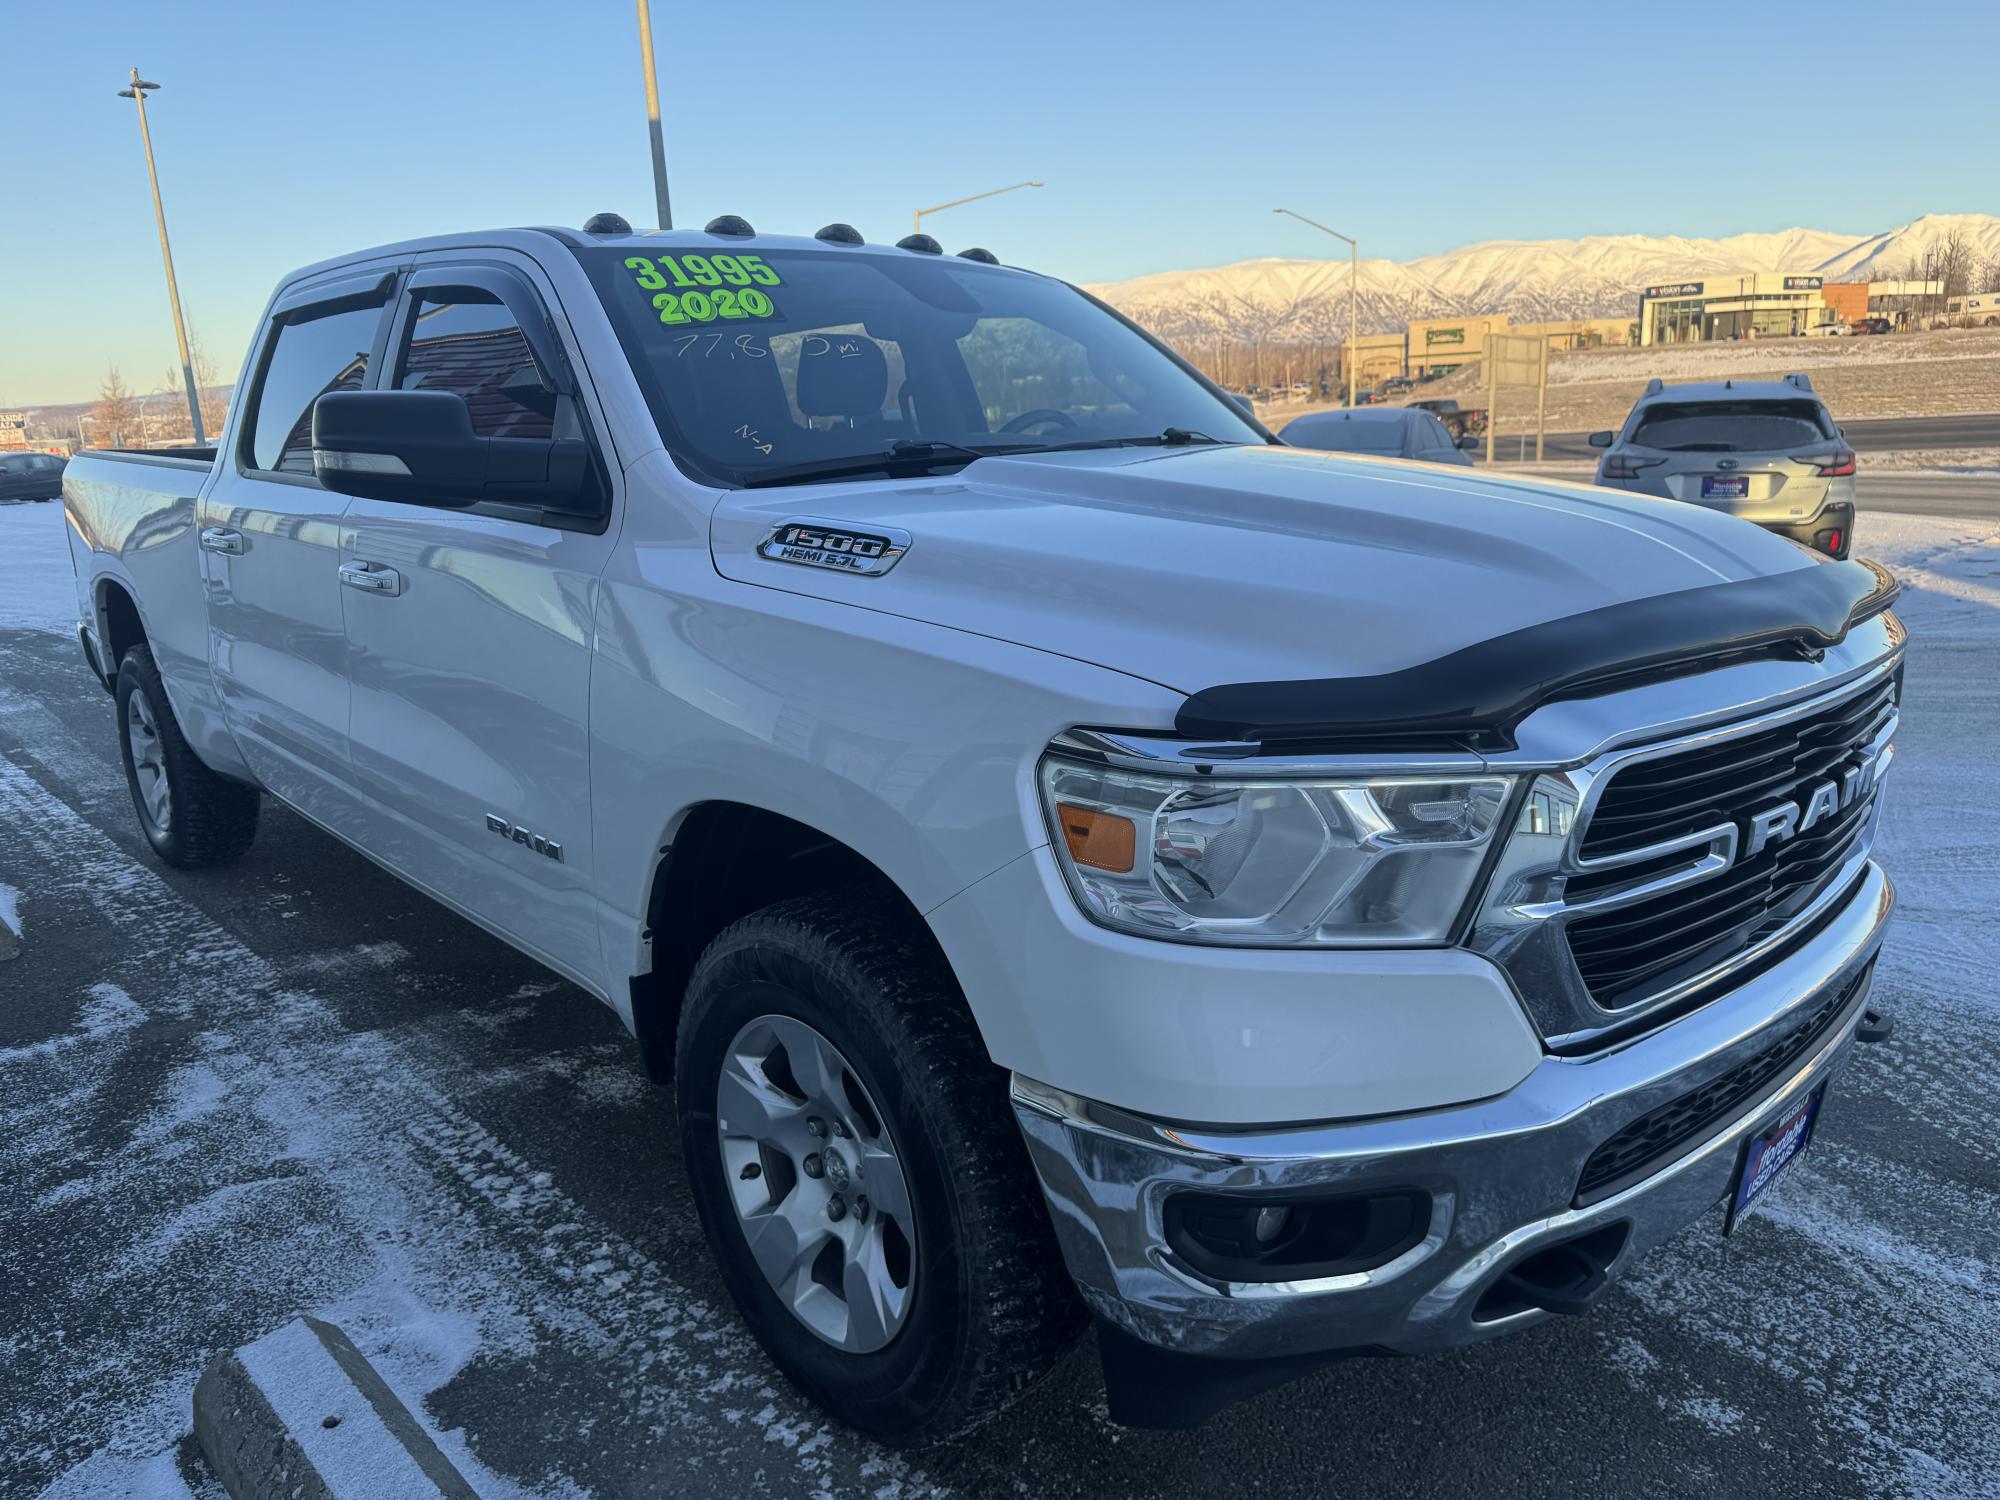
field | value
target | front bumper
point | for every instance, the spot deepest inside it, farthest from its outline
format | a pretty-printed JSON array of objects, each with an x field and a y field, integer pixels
[{"x": 1502, "y": 1174}]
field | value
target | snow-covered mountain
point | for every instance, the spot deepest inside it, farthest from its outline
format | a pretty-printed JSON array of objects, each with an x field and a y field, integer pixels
[{"x": 1529, "y": 280}]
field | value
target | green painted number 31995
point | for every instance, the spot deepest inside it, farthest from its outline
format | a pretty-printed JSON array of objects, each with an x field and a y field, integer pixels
[{"x": 703, "y": 288}]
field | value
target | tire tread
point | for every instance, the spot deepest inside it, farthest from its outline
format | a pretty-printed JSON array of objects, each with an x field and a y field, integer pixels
[{"x": 1026, "y": 1310}]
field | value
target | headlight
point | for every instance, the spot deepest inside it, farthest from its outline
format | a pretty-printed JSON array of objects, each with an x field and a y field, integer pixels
[{"x": 1347, "y": 862}]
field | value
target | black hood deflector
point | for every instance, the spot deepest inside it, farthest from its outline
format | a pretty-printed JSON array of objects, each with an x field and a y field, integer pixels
[{"x": 1485, "y": 689}]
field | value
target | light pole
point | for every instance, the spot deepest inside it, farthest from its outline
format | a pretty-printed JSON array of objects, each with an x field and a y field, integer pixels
[
  {"x": 653, "y": 116},
  {"x": 1353, "y": 293},
  {"x": 137, "y": 94},
  {"x": 939, "y": 208}
]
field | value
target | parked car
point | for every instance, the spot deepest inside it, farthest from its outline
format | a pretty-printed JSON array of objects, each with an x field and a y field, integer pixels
[
  {"x": 1070, "y": 859},
  {"x": 1395, "y": 383},
  {"x": 1387, "y": 432},
  {"x": 1767, "y": 451},
  {"x": 1463, "y": 421},
  {"x": 1874, "y": 325},
  {"x": 31, "y": 476},
  {"x": 1829, "y": 331}
]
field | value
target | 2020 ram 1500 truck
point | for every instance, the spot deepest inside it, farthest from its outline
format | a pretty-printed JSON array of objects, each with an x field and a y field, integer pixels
[{"x": 1069, "y": 854}]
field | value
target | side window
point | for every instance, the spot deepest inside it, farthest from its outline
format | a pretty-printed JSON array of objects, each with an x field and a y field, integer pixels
[
  {"x": 311, "y": 356},
  {"x": 466, "y": 340}
]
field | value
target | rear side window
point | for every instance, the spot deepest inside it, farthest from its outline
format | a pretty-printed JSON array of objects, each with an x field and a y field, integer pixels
[
  {"x": 1731, "y": 426},
  {"x": 467, "y": 341},
  {"x": 311, "y": 356}
]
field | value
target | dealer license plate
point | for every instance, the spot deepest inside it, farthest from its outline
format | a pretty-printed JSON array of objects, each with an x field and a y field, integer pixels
[
  {"x": 1769, "y": 1154},
  {"x": 1725, "y": 487}
]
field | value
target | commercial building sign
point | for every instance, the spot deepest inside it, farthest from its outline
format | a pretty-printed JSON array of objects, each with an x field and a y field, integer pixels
[
  {"x": 13, "y": 429},
  {"x": 1804, "y": 283},
  {"x": 1443, "y": 336},
  {"x": 1672, "y": 289}
]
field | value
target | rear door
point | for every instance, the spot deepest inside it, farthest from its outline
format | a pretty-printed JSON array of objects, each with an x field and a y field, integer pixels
[
  {"x": 469, "y": 631},
  {"x": 269, "y": 540}
]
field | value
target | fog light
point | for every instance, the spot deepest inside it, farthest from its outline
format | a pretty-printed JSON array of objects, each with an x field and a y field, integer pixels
[
  {"x": 1266, "y": 1237},
  {"x": 1270, "y": 1224}
]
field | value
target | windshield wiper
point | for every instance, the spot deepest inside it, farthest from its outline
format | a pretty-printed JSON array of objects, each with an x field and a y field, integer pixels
[
  {"x": 1170, "y": 437},
  {"x": 898, "y": 458}
]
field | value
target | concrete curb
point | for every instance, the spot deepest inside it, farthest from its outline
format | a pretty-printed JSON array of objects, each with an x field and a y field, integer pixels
[{"x": 301, "y": 1414}]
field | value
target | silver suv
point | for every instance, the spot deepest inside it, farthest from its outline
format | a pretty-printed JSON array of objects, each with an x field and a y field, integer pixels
[{"x": 1767, "y": 451}]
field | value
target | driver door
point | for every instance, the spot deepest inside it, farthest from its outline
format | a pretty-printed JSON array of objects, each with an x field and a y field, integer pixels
[{"x": 469, "y": 633}]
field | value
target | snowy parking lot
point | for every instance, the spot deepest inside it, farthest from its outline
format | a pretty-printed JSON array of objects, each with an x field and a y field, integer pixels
[{"x": 294, "y": 1085}]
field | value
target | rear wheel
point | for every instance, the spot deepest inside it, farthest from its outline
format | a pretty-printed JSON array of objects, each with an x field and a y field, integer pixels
[
  {"x": 191, "y": 816},
  {"x": 857, "y": 1168}
]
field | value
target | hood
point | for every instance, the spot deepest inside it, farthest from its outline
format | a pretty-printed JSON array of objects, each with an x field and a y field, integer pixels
[{"x": 1195, "y": 567}]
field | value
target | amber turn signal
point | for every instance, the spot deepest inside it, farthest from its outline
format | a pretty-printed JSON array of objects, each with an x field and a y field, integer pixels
[{"x": 1102, "y": 840}]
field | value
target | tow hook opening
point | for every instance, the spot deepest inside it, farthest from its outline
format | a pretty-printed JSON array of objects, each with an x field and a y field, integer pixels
[{"x": 1565, "y": 1278}]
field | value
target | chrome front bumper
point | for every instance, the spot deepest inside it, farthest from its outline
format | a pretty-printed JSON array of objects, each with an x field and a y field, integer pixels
[{"x": 1502, "y": 1173}]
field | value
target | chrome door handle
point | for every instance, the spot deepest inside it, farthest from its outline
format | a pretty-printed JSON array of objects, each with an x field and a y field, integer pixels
[
  {"x": 222, "y": 539},
  {"x": 371, "y": 577}
]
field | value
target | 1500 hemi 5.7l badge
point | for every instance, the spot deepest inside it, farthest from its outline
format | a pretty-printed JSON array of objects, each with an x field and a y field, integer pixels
[{"x": 830, "y": 544}]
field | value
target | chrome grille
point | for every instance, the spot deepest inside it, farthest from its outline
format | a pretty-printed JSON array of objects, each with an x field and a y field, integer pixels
[{"x": 1634, "y": 950}]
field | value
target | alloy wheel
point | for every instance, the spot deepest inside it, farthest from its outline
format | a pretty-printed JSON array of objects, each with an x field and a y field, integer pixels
[
  {"x": 818, "y": 1186},
  {"x": 149, "y": 763}
]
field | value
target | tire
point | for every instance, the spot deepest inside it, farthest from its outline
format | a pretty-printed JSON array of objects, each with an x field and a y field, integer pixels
[
  {"x": 204, "y": 819},
  {"x": 988, "y": 1306}
]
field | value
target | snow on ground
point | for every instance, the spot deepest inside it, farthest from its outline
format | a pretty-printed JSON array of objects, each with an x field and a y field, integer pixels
[
  {"x": 1963, "y": 463},
  {"x": 37, "y": 582},
  {"x": 1735, "y": 359}
]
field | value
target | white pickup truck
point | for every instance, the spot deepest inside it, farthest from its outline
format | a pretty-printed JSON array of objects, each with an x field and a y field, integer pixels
[{"x": 1071, "y": 855}]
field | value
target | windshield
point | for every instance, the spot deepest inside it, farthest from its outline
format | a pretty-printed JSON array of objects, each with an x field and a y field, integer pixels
[
  {"x": 1732, "y": 426},
  {"x": 759, "y": 364}
]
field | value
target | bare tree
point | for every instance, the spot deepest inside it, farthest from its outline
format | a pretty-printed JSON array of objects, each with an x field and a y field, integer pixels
[
  {"x": 214, "y": 409},
  {"x": 114, "y": 416}
]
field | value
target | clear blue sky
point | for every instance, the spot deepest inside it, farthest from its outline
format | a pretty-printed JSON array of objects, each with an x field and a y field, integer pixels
[{"x": 1166, "y": 132}]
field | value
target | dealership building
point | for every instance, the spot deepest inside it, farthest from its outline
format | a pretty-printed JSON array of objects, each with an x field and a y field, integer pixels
[
  {"x": 1437, "y": 346},
  {"x": 1756, "y": 304}
]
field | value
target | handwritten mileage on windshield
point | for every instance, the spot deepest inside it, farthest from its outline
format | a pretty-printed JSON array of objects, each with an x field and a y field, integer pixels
[{"x": 704, "y": 288}]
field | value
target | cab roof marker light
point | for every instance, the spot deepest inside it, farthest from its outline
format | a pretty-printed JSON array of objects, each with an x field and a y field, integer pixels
[
  {"x": 606, "y": 224},
  {"x": 984, "y": 257},
  {"x": 840, "y": 234},
  {"x": 733, "y": 226},
  {"x": 923, "y": 244}
]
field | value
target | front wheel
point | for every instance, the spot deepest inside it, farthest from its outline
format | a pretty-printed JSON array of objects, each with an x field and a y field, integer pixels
[{"x": 858, "y": 1172}]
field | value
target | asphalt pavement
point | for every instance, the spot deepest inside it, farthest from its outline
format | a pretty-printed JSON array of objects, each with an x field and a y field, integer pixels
[
  {"x": 1867, "y": 434},
  {"x": 295, "y": 1085},
  {"x": 1966, "y": 498}
]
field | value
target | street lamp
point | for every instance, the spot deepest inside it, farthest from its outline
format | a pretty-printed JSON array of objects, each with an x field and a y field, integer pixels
[
  {"x": 1353, "y": 293},
  {"x": 137, "y": 94},
  {"x": 653, "y": 117},
  {"x": 941, "y": 207}
]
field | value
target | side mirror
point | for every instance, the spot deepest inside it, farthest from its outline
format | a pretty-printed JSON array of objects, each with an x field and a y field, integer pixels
[
  {"x": 1471, "y": 443},
  {"x": 1249, "y": 406},
  {"x": 1602, "y": 439},
  {"x": 419, "y": 447}
]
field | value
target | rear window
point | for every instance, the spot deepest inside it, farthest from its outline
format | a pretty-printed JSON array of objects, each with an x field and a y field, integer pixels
[
  {"x": 1732, "y": 426},
  {"x": 1344, "y": 436}
]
